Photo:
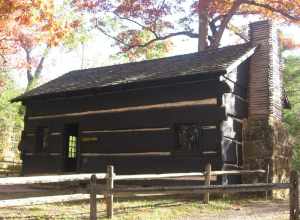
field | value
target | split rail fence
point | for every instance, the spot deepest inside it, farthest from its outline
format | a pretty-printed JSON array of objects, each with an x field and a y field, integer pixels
[
  {"x": 8, "y": 168},
  {"x": 110, "y": 191}
]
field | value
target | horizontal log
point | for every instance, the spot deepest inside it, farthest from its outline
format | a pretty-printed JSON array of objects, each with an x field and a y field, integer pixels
[
  {"x": 8, "y": 171},
  {"x": 151, "y": 194},
  {"x": 47, "y": 179},
  {"x": 174, "y": 175},
  {"x": 126, "y": 154},
  {"x": 209, "y": 101},
  {"x": 45, "y": 200},
  {"x": 126, "y": 130},
  {"x": 11, "y": 162},
  {"x": 235, "y": 188},
  {"x": 155, "y": 176},
  {"x": 236, "y": 172},
  {"x": 193, "y": 90},
  {"x": 160, "y": 118},
  {"x": 132, "y": 140},
  {"x": 84, "y": 177}
]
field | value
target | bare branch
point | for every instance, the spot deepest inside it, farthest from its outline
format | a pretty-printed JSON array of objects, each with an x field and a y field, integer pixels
[
  {"x": 137, "y": 23},
  {"x": 217, "y": 18},
  {"x": 236, "y": 31},
  {"x": 269, "y": 7},
  {"x": 161, "y": 38},
  {"x": 109, "y": 35},
  {"x": 213, "y": 27},
  {"x": 129, "y": 47},
  {"x": 217, "y": 37},
  {"x": 39, "y": 68},
  {"x": 29, "y": 68}
]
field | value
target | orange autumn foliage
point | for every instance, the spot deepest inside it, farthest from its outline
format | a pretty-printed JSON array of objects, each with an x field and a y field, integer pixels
[
  {"x": 27, "y": 23},
  {"x": 164, "y": 19}
]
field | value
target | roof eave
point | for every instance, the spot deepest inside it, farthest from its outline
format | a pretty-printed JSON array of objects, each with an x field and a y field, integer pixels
[
  {"x": 93, "y": 90},
  {"x": 239, "y": 61},
  {"x": 17, "y": 99}
]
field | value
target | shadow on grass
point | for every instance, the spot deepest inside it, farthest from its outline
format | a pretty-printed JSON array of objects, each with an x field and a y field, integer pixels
[
  {"x": 149, "y": 202},
  {"x": 155, "y": 203}
]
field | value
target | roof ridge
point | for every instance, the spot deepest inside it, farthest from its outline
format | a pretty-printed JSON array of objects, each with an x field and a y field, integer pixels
[{"x": 211, "y": 60}]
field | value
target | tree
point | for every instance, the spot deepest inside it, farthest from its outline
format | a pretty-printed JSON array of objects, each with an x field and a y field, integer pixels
[
  {"x": 11, "y": 117},
  {"x": 292, "y": 116},
  {"x": 161, "y": 20},
  {"x": 28, "y": 26}
]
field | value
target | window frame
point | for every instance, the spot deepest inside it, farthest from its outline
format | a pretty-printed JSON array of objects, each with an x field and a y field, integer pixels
[
  {"x": 72, "y": 146},
  {"x": 196, "y": 148}
]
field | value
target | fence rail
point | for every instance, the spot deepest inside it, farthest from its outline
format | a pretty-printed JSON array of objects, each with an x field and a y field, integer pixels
[
  {"x": 176, "y": 175},
  {"x": 109, "y": 192},
  {"x": 10, "y": 162},
  {"x": 9, "y": 181},
  {"x": 8, "y": 168}
]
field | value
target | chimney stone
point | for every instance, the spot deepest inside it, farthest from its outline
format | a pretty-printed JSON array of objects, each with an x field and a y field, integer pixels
[
  {"x": 265, "y": 78},
  {"x": 266, "y": 143}
]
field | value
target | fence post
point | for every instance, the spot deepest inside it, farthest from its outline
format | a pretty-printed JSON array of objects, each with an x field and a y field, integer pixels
[
  {"x": 294, "y": 196},
  {"x": 207, "y": 181},
  {"x": 109, "y": 191},
  {"x": 93, "y": 198}
]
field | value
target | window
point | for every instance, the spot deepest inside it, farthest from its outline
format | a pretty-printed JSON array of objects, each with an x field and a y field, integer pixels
[
  {"x": 42, "y": 139},
  {"x": 189, "y": 137},
  {"x": 72, "y": 147}
]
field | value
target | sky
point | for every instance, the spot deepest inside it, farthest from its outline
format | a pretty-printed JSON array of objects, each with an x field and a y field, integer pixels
[{"x": 98, "y": 51}]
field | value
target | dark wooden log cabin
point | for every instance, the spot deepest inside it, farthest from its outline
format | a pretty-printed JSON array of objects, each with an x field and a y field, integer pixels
[{"x": 167, "y": 115}]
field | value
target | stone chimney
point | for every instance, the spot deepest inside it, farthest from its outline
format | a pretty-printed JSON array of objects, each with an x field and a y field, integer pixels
[
  {"x": 265, "y": 140},
  {"x": 265, "y": 78}
]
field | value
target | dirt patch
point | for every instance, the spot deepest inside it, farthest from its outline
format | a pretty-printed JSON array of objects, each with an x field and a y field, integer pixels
[{"x": 251, "y": 210}]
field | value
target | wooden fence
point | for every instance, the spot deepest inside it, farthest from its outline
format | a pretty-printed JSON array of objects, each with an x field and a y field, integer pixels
[
  {"x": 109, "y": 192},
  {"x": 8, "y": 168}
]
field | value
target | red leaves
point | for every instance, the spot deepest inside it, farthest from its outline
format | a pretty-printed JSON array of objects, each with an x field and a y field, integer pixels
[
  {"x": 2, "y": 86},
  {"x": 92, "y": 5},
  {"x": 28, "y": 24},
  {"x": 136, "y": 22},
  {"x": 75, "y": 24},
  {"x": 287, "y": 43}
]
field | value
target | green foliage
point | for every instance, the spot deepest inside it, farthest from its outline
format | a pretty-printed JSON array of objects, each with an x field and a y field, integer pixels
[
  {"x": 292, "y": 116},
  {"x": 9, "y": 110},
  {"x": 79, "y": 34},
  {"x": 11, "y": 114}
]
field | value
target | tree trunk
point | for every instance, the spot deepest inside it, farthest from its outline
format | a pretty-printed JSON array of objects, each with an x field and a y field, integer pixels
[
  {"x": 218, "y": 36},
  {"x": 203, "y": 24},
  {"x": 29, "y": 68},
  {"x": 38, "y": 71}
]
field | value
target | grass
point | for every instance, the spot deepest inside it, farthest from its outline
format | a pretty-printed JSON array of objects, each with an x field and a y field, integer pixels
[
  {"x": 135, "y": 209},
  {"x": 163, "y": 208}
]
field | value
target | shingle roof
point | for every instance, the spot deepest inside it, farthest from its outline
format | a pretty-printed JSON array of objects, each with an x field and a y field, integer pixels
[{"x": 210, "y": 61}]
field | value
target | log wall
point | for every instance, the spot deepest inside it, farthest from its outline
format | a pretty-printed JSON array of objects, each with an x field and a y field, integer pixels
[
  {"x": 129, "y": 128},
  {"x": 236, "y": 106}
]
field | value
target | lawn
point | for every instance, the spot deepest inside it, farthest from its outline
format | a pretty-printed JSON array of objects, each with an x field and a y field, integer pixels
[
  {"x": 136, "y": 209},
  {"x": 164, "y": 208}
]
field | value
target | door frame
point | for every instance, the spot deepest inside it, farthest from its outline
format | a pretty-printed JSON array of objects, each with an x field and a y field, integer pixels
[{"x": 71, "y": 129}]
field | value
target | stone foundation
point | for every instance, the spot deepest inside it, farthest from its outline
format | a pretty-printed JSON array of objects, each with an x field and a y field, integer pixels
[{"x": 267, "y": 142}]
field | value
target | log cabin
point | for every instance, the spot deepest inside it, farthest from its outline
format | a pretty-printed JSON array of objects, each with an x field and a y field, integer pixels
[{"x": 173, "y": 114}]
